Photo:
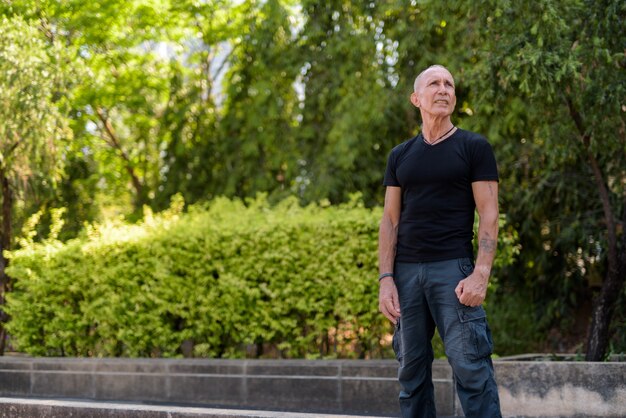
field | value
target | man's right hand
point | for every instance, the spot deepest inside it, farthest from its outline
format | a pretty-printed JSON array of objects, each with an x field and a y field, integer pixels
[{"x": 388, "y": 301}]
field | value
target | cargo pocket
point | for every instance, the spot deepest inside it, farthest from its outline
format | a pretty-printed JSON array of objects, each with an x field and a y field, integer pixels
[
  {"x": 477, "y": 341},
  {"x": 396, "y": 342},
  {"x": 466, "y": 266}
]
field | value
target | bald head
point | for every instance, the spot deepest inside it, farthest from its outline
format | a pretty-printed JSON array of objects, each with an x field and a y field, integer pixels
[{"x": 418, "y": 79}]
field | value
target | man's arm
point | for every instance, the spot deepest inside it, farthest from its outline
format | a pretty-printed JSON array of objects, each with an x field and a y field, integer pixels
[
  {"x": 388, "y": 302},
  {"x": 473, "y": 290}
]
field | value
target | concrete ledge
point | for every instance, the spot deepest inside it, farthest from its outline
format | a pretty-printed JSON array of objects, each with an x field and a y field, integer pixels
[
  {"x": 339, "y": 387},
  {"x": 352, "y": 387},
  {"x": 562, "y": 388}
]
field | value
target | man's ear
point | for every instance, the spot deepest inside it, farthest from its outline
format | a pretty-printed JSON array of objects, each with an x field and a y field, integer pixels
[{"x": 415, "y": 100}]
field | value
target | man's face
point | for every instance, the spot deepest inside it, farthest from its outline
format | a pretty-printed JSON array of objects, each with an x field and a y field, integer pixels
[{"x": 435, "y": 93}]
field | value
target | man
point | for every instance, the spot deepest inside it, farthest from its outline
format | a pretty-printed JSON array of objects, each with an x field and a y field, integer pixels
[{"x": 434, "y": 183}]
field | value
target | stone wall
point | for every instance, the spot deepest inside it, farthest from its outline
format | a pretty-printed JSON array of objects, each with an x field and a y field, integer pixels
[
  {"x": 562, "y": 388},
  {"x": 360, "y": 387},
  {"x": 527, "y": 388}
]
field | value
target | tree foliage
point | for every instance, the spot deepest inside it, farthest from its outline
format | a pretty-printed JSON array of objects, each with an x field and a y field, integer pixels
[
  {"x": 225, "y": 97},
  {"x": 553, "y": 84},
  {"x": 32, "y": 129},
  {"x": 31, "y": 102}
]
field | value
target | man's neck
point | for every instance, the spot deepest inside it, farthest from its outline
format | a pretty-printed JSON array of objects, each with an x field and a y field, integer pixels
[{"x": 433, "y": 130}]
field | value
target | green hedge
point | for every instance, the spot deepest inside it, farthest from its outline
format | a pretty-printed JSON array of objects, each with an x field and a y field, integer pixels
[
  {"x": 229, "y": 280},
  {"x": 233, "y": 279}
]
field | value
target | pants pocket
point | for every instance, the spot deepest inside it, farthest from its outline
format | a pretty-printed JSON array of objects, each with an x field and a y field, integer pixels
[
  {"x": 466, "y": 266},
  {"x": 396, "y": 342},
  {"x": 477, "y": 341}
]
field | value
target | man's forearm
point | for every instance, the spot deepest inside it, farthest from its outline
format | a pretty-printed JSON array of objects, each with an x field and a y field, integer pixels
[
  {"x": 387, "y": 237},
  {"x": 487, "y": 245}
]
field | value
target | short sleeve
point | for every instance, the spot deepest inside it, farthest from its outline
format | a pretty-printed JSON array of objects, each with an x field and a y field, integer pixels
[
  {"x": 483, "y": 167},
  {"x": 390, "y": 172}
]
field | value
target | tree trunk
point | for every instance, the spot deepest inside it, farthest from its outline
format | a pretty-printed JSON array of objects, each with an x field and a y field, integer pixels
[
  {"x": 612, "y": 287},
  {"x": 604, "y": 304},
  {"x": 5, "y": 244}
]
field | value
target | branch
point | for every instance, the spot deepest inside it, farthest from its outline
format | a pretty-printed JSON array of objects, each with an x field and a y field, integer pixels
[
  {"x": 10, "y": 150},
  {"x": 106, "y": 122},
  {"x": 223, "y": 64},
  {"x": 109, "y": 131},
  {"x": 600, "y": 183},
  {"x": 578, "y": 120},
  {"x": 207, "y": 64},
  {"x": 13, "y": 147},
  {"x": 45, "y": 27}
]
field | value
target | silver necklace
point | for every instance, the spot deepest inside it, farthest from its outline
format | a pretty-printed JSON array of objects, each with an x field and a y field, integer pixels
[{"x": 438, "y": 139}]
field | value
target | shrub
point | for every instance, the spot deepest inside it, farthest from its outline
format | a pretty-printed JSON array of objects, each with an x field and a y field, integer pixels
[
  {"x": 232, "y": 279},
  {"x": 224, "y": 280}
]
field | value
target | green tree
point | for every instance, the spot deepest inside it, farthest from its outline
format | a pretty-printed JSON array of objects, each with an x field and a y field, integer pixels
[
  {"x": 552, "y": 83},
  {"x": 257, "y": 120},
  {"x": 116, "y": 114},
  {"x": 359, "y": 62},
  {"x": 151, "y": 115},
  {"x": 188, "y": 127},
  {"x": 129, "y": 90},
  {"x": 32, "y": 128}
]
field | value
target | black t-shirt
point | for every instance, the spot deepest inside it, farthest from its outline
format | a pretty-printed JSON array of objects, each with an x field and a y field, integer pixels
[{"x": 437, "y": 215}]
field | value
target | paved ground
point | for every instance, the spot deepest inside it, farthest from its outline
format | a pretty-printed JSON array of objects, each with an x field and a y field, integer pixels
[
  {"x": 63, "y": 408},
  {"x": 54, "y": 408},
  {"x": 20, "y": 407}
]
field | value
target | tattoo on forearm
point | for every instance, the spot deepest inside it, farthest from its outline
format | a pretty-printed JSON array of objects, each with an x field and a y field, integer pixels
[{"x": 487, "y": 245}]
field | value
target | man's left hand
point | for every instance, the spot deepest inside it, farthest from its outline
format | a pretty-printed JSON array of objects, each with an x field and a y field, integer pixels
[{"x": 472, "y": 290}]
